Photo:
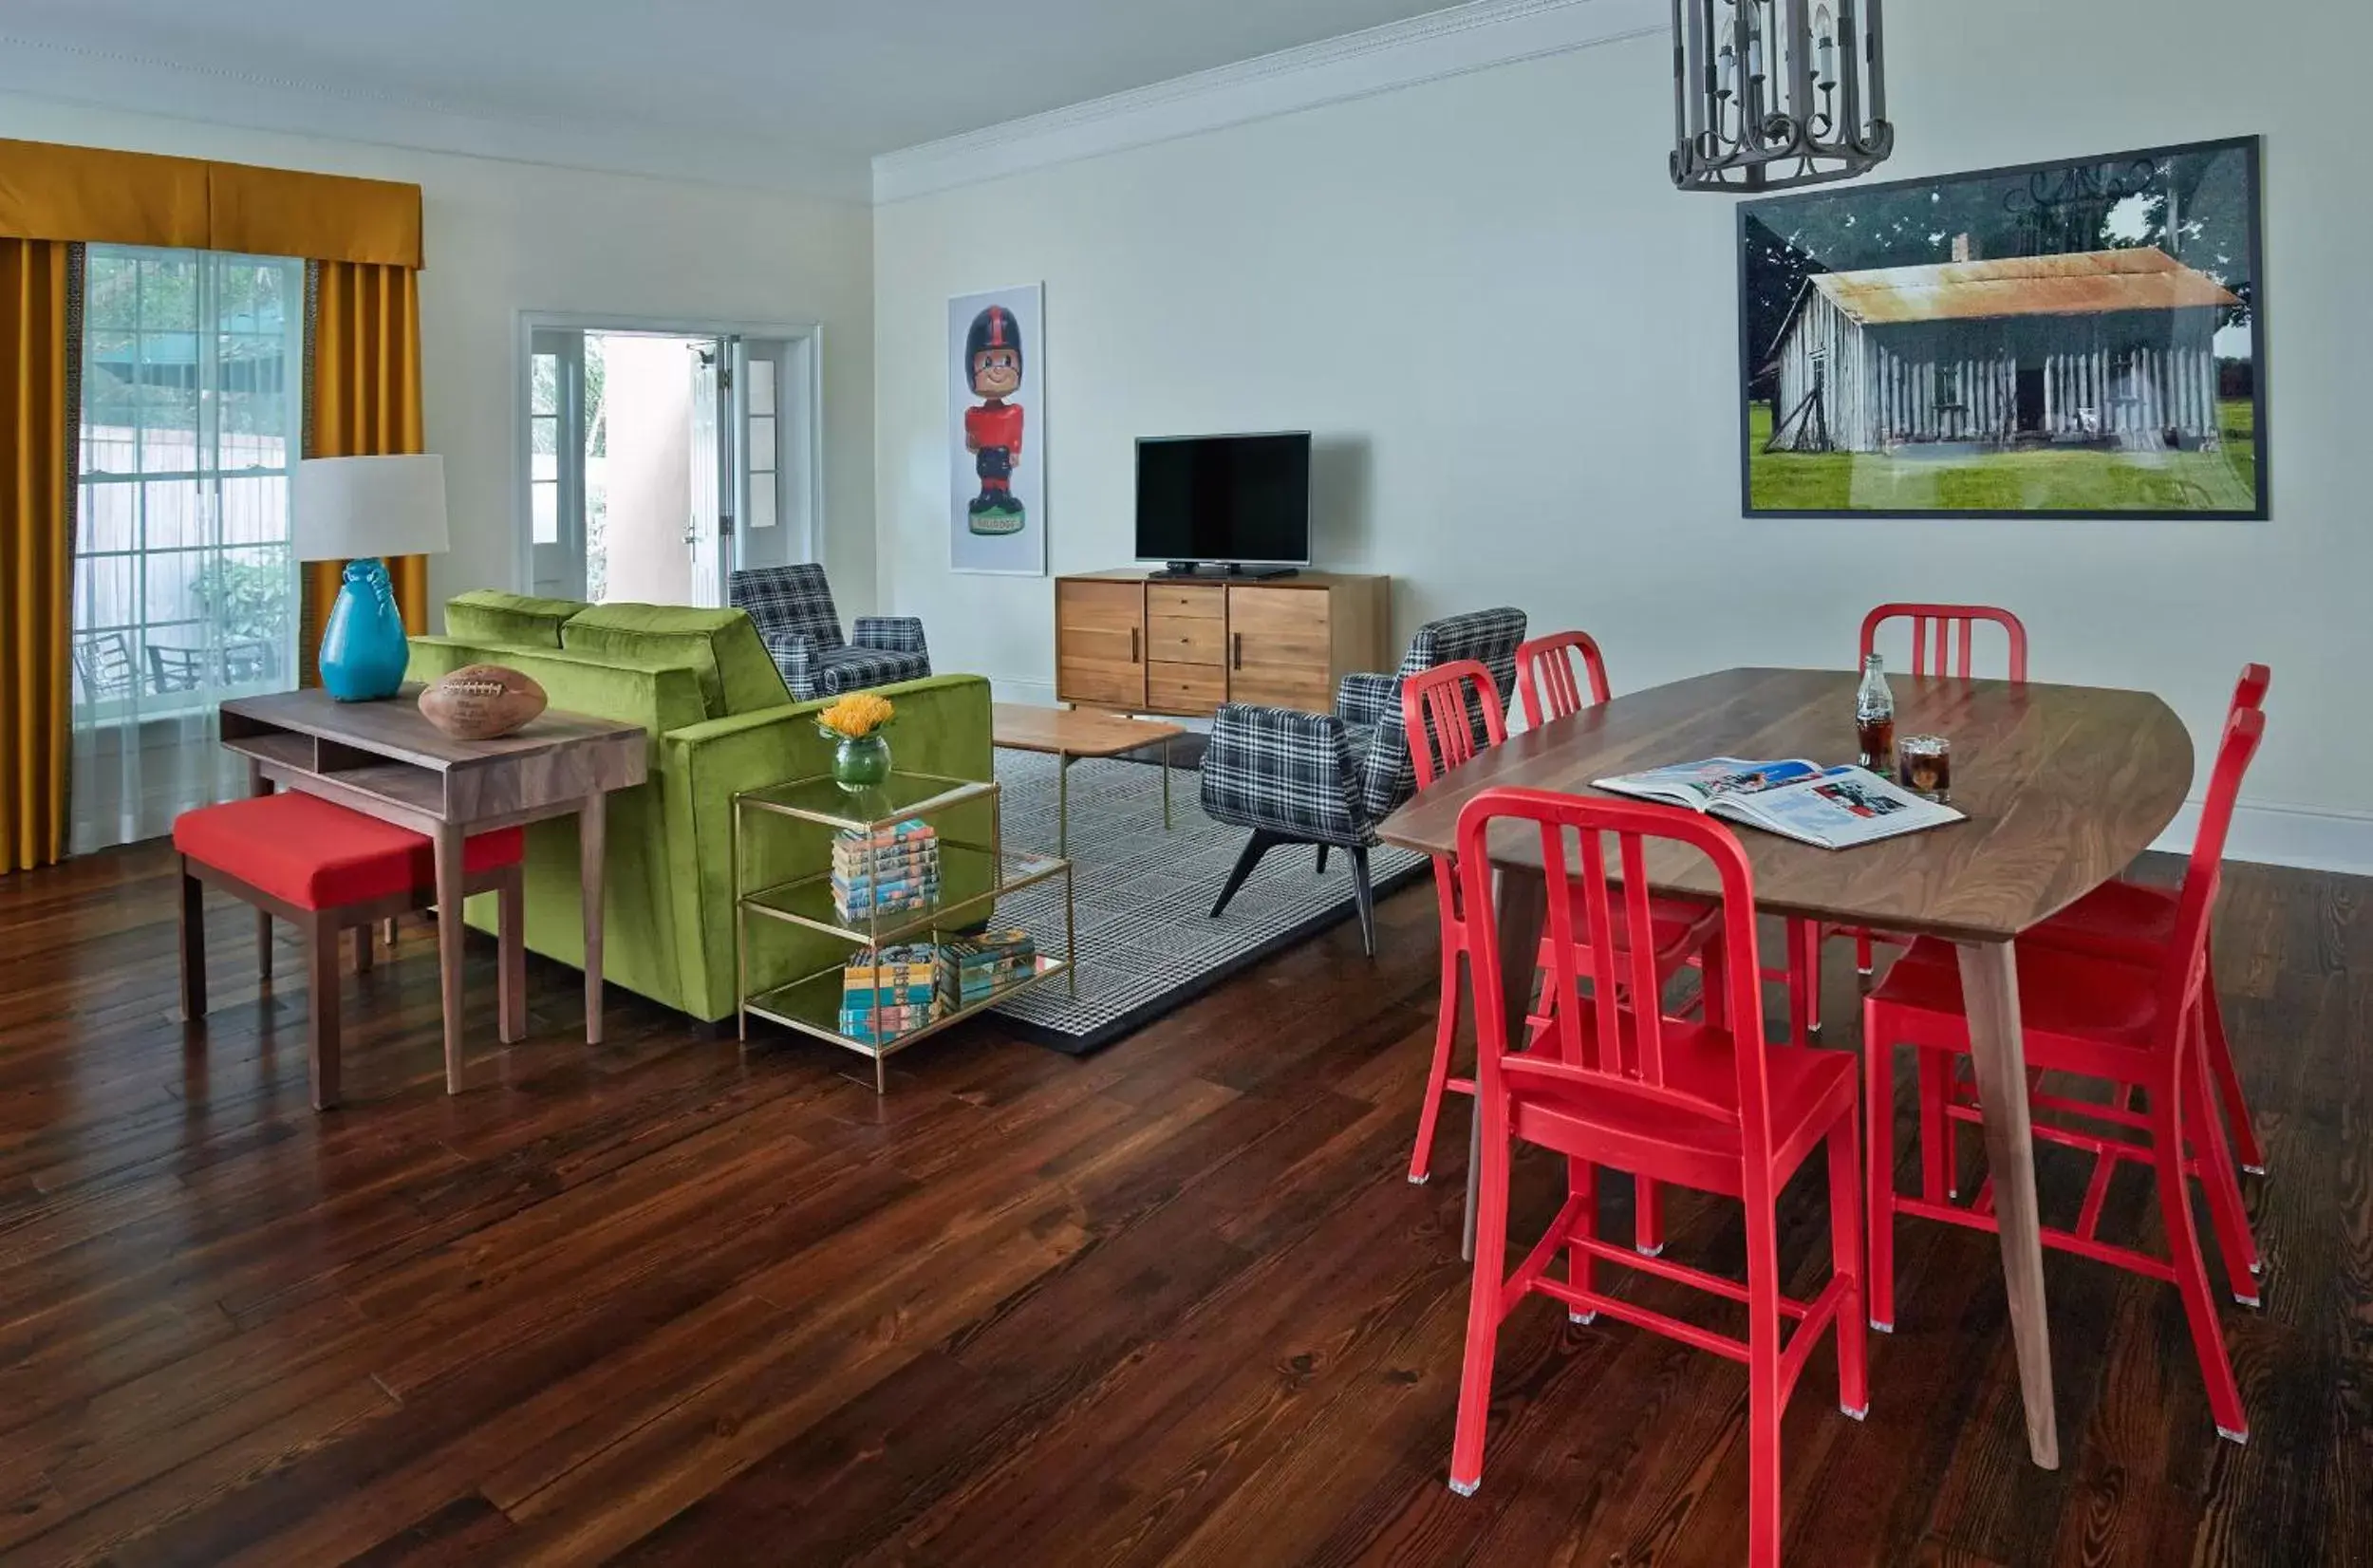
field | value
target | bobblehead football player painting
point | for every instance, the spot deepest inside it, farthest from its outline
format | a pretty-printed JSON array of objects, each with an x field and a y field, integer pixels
[
  {"x": 993, "y": 432},
  {"x": 996, "y": 433}
]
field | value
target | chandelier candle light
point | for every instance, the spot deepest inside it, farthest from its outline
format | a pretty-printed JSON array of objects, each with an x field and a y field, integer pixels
[
  {"x": 356, "y": 509},
  {"x": 1768, "y": 94}
]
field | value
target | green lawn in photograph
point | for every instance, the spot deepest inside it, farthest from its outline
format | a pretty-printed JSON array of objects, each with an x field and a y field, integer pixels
[{"x": 2041, "y": 479}]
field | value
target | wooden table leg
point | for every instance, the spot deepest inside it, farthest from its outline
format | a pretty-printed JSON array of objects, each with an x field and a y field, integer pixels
[
  {"x": 1990, "y": 992},
  {"x": 512, "y": 953},
  {"x": 258, "y": 784},
  {"x": 592, "y": 853},
  {"x": 449, "y": 930},
  {"x": 1524, "y": 906}
]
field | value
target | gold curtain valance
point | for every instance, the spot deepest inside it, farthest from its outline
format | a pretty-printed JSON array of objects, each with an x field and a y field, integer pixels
[{"x": 101, "y": 197}]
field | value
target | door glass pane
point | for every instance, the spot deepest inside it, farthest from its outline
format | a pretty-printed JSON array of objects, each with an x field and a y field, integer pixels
[
  {"x": 762, "y": 445},
  {"x": 546, "y": 498},
  {"x": 762, "y": 500},
  {"x": 544, "y": 391},
  {"x": 762, "y": 387}
]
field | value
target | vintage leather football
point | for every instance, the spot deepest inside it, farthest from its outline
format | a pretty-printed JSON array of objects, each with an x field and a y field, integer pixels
[{"x": 480, "y": 701}]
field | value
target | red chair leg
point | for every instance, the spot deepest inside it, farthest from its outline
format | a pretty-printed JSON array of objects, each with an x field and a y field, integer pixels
[
  {"x": 192, "y": 945},
  {"x": 1764, "y": 1396},
  {"x": 1647, "y": 1217},
  {"x": 1941, "y": 1172},
  {"x": 2229, "y": 1083},
  {"x": 1846, "y": 1261},
  {"x": 1582, "y": 1184},
  {"x": 1800, "y": 986},
  {"x": 1809, "y": 969},
  {"x": 1483, "y": 1314},
  {"x": 1863, "y": 963},
  {"x": 1878, "y": 1102},
  {"x": 1438, "y": 1076},
  {"x": 2231, "y": 1222},
  {"x": 2183, "y": 1246}
]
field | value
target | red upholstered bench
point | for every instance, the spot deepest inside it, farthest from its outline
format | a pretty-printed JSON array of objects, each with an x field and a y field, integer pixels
[{"x": 329, "y": 870}]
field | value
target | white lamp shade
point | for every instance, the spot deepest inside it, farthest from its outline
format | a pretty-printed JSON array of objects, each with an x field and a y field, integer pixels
[{"x": 347, "y": 508}]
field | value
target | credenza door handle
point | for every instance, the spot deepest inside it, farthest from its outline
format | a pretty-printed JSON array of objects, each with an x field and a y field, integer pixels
[
  {"x": 1236, "y": 653},
  {"x": 1133, "y": 646}
]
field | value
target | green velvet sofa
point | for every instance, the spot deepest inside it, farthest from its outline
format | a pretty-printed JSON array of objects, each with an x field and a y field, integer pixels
[{"x": 720, "y": 721}]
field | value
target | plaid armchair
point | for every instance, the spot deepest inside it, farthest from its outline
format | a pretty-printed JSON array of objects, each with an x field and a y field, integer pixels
[
  {"x": 1328, "y": 779},
  {"x": 793, "y": 609}
]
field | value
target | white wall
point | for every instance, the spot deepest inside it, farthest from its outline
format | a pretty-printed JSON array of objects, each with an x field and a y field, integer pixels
[
  {"x": 505, "y": 237},
  {"x": 1517, "y": 344}
]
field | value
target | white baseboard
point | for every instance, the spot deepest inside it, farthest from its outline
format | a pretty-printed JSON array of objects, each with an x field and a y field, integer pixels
[
  {"x": 1017, "y": 688},
  {"x": 2285, "y": 835}
]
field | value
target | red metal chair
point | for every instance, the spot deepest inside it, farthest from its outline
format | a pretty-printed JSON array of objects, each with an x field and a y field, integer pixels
[
  {"x": 2134, "y": 923},
  {"x": 1441, "y": 710},
  {"x": 1545, "y": 680},
  {"x": 1705, "y": 1105},
  {"x": 1943, "y": 638},
  {"x": 2138, "y": 1026},
  {"x": 1544, "y": 676}
]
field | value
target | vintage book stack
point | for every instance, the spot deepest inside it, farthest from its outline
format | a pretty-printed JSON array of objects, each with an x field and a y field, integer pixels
[
  {"x": 892, "y": 872},
  {"x": 888, "y": 992},
  {"x": 978, "y": 966}
]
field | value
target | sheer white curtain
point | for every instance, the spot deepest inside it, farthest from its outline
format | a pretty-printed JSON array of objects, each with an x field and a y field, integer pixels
[{"x": 184, "y": 589}]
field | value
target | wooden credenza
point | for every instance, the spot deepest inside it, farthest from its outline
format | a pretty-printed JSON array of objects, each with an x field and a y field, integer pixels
[{"x": 1128, "y": 640}]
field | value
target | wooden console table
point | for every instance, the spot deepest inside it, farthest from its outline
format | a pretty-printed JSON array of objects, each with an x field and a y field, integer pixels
[
  {"x": 386, "y": 760},
  {"x": 1135, "y": 643}
]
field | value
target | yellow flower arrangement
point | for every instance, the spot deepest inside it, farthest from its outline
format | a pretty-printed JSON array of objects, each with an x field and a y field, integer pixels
[{"x": 857, "y": 716}]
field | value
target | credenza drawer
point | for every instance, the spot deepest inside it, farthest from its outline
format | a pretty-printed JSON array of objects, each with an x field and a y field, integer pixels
[
  {"x": 1196, "y": 602},
  {"x": 1185, "y": 640},
  {"x": 1185, "y": 688}
]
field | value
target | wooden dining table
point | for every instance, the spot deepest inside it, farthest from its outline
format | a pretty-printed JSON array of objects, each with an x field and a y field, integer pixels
[{"x": 2062, "y": 786}]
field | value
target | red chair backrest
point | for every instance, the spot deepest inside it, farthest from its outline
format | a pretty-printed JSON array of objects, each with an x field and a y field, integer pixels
[
  {"x": 2187, "y": 954},
  {"x": 1945, "y": 650},
  {"x": 1544, "y": 675},
  {"x": 1441, "y": 708},
  {"x": 2249, "y": 691},
  {"x": 1582, "y": 898}
]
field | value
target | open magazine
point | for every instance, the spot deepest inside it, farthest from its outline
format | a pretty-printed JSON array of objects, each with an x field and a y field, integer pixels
[{"x": 1833, "y": 807}]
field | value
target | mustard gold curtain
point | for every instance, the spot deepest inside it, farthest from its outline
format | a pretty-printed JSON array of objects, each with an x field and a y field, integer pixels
[
  {"x": 37, "y": 333},
  {"x": 363, "y": 393}
]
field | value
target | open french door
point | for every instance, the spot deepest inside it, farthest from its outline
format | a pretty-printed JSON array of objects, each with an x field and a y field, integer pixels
[{"x": 709, "y": 530}]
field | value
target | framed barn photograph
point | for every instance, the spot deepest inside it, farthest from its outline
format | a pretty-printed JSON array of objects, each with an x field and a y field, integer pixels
[{"x": 2076, "y": 339}]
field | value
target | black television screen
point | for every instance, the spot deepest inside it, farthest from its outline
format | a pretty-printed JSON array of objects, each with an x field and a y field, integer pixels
[{"x": 1224, "y": 498}]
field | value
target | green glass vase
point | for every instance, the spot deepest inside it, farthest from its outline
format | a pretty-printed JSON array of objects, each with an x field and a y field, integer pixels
[{"x": 861, "y": 762}]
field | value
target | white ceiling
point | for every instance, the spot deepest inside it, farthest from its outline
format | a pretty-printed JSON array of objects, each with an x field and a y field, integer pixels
[{"x": 793, "y": 92}]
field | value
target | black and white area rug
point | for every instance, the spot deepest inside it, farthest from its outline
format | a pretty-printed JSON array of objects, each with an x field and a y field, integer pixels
[{"x": 1147, "y": 943}]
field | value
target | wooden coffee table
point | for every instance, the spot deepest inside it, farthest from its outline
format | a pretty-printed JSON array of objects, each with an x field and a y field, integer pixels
[{"x": 1069, "y": 734}]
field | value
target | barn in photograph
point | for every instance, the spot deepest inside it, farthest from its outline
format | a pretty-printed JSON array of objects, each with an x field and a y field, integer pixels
[{"x": 2113, "y": 347}]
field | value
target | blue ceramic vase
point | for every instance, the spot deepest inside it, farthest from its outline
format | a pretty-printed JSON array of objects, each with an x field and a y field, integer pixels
[{"x": 363, "y": 652}]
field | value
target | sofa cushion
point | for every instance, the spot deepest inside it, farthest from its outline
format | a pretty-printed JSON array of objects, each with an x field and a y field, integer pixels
[
  {"x": 508, "y": 620},
  {"x": 736, "y": 674}
]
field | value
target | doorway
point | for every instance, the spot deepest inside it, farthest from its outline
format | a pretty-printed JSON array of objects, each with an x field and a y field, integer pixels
[
  {"x": 659, "y": 461},
  {"x": 2030, "y": 399}
]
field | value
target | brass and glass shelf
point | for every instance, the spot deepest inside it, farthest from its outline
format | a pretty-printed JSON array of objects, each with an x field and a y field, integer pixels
[{"x": 973, "y": 876}]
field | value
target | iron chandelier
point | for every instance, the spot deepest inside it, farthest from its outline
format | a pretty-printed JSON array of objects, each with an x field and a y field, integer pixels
[{"x": 1772, "y": 93}]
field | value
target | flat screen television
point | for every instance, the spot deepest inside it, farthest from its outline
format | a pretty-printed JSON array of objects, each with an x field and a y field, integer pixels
[{"x": 1225, "y": 503}]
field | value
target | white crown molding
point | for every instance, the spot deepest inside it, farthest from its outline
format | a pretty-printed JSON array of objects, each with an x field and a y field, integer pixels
[
  {"x": 2283, "y": 835},
  {"x": 1464, "y": 38},
  {"x": 139, "y": 85}
]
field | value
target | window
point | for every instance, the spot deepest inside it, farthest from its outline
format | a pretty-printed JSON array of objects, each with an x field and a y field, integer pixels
[
  {"x": 1948, "y": 386},
  {"x": 764, "y": 449},
  {"x": 184, "y": 587}
]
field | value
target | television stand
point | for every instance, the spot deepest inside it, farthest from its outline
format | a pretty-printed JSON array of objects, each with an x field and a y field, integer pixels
[{"x": 1210, "y": 571}]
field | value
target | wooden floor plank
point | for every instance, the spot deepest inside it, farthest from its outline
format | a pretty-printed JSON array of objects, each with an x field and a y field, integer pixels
[{"x": 671, "y": 1300}]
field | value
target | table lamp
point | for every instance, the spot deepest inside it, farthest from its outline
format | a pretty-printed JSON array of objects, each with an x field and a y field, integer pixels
[{"x": 357, "y": 510}]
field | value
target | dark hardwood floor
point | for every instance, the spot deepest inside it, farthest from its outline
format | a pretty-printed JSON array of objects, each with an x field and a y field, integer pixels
[{"x": 664, "y": 1302}]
